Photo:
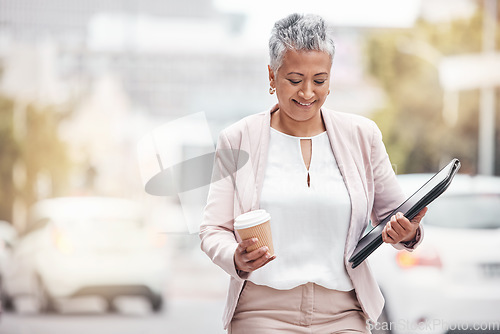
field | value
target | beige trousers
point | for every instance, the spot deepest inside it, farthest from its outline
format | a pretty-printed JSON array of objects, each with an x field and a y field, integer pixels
[{"x": 308, "y": 308}]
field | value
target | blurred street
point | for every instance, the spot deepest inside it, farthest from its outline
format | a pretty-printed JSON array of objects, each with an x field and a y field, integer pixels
[
  {"x": 194, "y": 302},
  {"x": 179, "y": 316}
]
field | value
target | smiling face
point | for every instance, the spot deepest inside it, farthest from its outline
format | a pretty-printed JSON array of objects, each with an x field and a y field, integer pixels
[{"x": 302, "y": 84}]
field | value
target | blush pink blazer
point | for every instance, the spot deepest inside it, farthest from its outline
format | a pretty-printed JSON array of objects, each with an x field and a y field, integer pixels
[{"x": 368, "y": 174}]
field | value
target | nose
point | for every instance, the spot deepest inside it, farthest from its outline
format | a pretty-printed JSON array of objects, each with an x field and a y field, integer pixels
[{"x": 306, "y": 91}]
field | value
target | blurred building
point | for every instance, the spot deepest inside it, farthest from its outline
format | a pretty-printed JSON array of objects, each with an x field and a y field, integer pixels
[
  {"x": 167, "y": 53},
  {"x": 67, "y": 20},
  {"x": 173, "y": 58},
  {"x": 179, "y": 57}
]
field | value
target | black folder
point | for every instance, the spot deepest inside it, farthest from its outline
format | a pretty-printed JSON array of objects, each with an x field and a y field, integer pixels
[{"x": 431, "y": 190}]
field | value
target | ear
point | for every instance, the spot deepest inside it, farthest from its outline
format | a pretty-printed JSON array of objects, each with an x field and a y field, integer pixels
[{"x": 271, "y": 77}]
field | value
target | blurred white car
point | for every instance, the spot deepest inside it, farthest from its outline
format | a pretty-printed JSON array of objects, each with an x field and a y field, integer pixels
[
  {"x": 452, "y": 280},
  {"x": 85, "y": 246},
  {"x": 8, "y": 237}
]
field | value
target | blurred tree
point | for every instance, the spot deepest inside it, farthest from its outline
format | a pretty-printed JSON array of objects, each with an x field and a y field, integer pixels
[
  {"x": 39, "y": 156},
  {"x": 9, "y": 153},
  {"x": 423, "y": 128},
  {"x": 44, "y": 153}
]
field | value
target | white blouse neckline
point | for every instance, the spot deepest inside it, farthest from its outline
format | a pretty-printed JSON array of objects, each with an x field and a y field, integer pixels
[{"x": 297, "y": 137}]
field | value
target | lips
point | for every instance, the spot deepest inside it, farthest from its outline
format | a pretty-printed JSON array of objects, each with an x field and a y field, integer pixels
[{"x": 304, "y": 104}]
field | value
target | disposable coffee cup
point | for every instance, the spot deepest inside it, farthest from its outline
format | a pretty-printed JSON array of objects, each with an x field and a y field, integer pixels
[{"x": 255, "y": 224}]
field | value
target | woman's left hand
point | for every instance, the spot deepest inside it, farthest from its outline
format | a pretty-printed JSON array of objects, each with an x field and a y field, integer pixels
[{"x": 400, "y": 229}]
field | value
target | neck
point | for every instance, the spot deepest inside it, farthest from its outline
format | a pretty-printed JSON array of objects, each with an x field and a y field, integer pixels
[{"x": 309, "y": 128}]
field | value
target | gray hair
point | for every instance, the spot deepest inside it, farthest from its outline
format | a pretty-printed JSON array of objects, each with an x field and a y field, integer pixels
[{"x": 299, "y": 32}]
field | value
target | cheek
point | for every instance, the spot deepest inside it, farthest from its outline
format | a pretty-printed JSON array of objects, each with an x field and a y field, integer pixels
[
  {"x": 286, "y": 92},
  {"x": 324, "y": 91}
]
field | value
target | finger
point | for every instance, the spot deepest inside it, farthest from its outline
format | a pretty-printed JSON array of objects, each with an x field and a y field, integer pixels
[
  {"x": 393, "y": 235},
  {"x": 269, "y": 260},
  {"x": 389, "y": 239},
  {"x": 401, "y": 223},
  {"x": 254, "y": 255},
  {"x": 399, "y": 230},
  {"x": 385, "y": 237},
  {"x": 242, "y": 246},
  {"x": 394, "y": 226},
  {"x": 259, "y": 262}
]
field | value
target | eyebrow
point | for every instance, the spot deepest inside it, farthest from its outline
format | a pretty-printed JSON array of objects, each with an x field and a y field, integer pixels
[{"x": 303, "y": 74}]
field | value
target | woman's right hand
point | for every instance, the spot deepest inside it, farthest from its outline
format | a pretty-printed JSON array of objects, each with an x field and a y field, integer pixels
[{"x": 249, "y": 262}]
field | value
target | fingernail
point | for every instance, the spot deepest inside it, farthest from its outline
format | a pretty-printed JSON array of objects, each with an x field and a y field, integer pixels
[
  {"x": 254, "y": 239},
  {"x": 399, "y": 215},
  {"x": 268, "y": 256},
  {"x": 265, "y": 248}
]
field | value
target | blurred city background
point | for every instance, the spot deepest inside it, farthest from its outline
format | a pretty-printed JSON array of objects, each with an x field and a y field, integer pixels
[{"x": 82, "y": 82}]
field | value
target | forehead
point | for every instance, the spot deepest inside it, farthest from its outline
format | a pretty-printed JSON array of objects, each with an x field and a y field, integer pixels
[{"x": 309, "y": 61}]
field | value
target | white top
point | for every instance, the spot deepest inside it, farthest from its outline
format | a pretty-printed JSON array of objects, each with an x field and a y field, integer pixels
[{"x": 309, "y": 224}]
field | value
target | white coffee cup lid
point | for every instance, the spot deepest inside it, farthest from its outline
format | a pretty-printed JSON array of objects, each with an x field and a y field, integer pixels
[{"x": 251, "y": 219}]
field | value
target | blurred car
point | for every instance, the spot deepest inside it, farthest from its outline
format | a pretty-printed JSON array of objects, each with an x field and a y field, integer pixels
[
  {"x": 8, "y": 236},
  {"x": 452, "y": 280},
  {"x": 85, "y": 246}
]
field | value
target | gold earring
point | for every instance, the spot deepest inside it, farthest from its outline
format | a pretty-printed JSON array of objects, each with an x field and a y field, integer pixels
[{"x": 272, "y": 90}]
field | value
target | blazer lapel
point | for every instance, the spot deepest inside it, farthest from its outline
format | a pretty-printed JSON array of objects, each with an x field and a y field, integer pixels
[
  {"x": 250, "y": 179},
  {"x": 261, "y": 157}
]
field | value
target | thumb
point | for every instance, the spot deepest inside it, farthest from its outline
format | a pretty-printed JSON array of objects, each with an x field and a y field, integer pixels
[{"x": 419, "y": 216}]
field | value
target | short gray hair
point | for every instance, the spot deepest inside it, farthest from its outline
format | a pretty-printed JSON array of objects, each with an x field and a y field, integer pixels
[{"x": 299, "y": 32}]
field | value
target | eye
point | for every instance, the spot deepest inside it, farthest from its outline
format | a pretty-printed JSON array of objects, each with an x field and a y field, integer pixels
[
  {"x": 319, "y": 82},
  {"x": 294, "y": 81}
]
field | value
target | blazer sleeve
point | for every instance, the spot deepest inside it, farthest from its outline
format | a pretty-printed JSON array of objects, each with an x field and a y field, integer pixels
[
  {"x": 217, "y": 236},
  {"x": 388, "y": 194}
]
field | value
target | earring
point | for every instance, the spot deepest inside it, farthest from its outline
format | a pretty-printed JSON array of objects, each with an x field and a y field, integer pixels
[{"x": 272, "y": 90}]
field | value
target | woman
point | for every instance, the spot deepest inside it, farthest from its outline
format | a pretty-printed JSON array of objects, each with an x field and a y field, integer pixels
[{"x": 320, "y": 174}]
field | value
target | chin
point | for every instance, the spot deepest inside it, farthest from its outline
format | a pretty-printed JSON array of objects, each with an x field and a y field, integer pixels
[{"x": 303, "y": 115}]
